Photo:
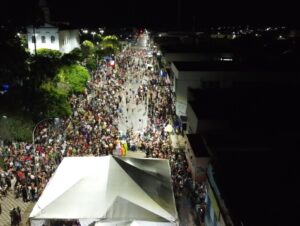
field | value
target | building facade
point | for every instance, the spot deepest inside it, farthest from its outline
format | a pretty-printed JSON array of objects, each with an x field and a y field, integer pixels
[{"x": 50, "y": 37}]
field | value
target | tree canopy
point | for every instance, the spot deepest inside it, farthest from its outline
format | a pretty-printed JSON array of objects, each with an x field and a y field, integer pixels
[{"x": 74, "y": 77}]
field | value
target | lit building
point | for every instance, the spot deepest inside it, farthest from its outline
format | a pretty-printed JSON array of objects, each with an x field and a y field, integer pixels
[{"x": 51, "y": 37}]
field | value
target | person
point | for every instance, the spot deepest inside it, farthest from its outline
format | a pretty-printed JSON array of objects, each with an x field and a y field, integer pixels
[
  {"x": 13, "y": 218},
  {"x": 18, "y": 211}
]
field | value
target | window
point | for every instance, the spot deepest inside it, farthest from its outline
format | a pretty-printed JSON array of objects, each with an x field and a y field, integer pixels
[
  {"x": 33, "y": 39},
  {"x": 52, "y": 39},
  {"x": 43, "y": 39}
]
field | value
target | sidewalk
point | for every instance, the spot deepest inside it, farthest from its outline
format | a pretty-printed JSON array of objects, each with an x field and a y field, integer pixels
[
  {"x": 25, "y": 217},
  {"x": 9, "y": 202},
  {"x": 177, "y": 141}
]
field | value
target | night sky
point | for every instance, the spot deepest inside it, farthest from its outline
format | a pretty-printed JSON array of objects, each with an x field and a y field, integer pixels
[{"x": 157, "y": 13}]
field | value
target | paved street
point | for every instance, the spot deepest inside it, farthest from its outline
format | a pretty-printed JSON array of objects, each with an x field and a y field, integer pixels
[
  {"x": 132, "y": 116},
  {"x": 9, "y": 202}
]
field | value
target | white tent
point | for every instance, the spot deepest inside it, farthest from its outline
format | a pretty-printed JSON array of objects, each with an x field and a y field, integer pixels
[
  {"x": 108, "y": 189},
  {"x": 133, "y": 223}
]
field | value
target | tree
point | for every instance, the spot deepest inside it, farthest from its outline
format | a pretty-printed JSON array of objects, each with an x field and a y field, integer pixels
[
  {"x": 49, "y": 53},
  {"x": 54, "y": 94},
  {"x": 73, "y": 57},
  {"x": 110, "y": 44},
  {"x": 73, "y": 76},
  {"x": 44, "y": 66},
  {"x": 13, "y": 68},
  {"x": 87, "y": 49}
]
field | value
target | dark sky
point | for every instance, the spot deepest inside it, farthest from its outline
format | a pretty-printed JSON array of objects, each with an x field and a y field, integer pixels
[{"x": 158, "y": 13}]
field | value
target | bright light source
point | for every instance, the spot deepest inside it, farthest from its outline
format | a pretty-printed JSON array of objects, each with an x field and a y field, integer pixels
[
  {"x": 85, "y": 31},
  {"x": 226, "y": 59},
  {"x": 93, "y": 32}
]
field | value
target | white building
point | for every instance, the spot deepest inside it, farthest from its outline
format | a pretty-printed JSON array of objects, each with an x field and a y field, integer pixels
[{"x": 50, "y": 37}]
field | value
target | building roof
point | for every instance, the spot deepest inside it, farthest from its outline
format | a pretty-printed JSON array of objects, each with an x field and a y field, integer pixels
[
  {"x": 259, "y": 186},
  {"x": 239, "y": 141},
  {"x": 233, "y": 66},
  {"x": 248, "y": 107},
  {"x": 197, "y": 143}
]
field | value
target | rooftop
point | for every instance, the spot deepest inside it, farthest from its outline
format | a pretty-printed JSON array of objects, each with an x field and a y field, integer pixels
[
  {"x": 234, "y": 66},
  {"x": 197, "y": 143},
  {"x": 258, "y": 186},
  {"x": 252, "y": 107}
]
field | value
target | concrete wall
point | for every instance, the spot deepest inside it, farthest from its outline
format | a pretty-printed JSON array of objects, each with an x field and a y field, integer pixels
[
  {"x": 47, "y": 33},
  {"x": 192, "y": 120},
  {"x": 181, "y": 89},
  {"x": 197, "y": 165},
  {"x": 213, "y": 216},
  {"x": 68, "y": 40},
  {"x": 195, "y": 125}
]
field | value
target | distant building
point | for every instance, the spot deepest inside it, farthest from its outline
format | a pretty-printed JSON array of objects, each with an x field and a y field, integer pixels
[
  {"x": 247, "y": 108},
  {"x": 51, "y": 37},
  {"x": 197, "y": 157},
  {"x": 223, "y": 74},
  {"x": 247, "y": 176}
]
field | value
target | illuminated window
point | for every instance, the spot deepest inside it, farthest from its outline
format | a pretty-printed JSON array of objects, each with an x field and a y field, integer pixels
[
  {"x": 52, "y": 39},
  {"x": 43, "y": 39}
]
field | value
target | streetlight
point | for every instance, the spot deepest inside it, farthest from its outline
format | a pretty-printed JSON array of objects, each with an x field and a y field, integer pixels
[
  {"x": 93, "y": 33},
  {"x": 33, "y": 143}
]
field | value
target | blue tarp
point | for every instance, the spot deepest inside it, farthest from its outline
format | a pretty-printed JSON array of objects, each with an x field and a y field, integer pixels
[{"x": 5, "y": 87}]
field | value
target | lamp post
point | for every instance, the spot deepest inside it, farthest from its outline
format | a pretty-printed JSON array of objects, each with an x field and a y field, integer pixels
[
  {"x": 34, "y": 39},
  {"x": 93, "y": 33},
  {"x": 33, "y": 143}
]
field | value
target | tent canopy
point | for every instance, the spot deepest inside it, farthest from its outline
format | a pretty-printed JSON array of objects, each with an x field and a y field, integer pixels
[{"x": 108, "y": 188}]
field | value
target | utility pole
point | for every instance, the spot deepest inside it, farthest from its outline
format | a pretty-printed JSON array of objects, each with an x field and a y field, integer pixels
[{"x": 34, "y": 39}]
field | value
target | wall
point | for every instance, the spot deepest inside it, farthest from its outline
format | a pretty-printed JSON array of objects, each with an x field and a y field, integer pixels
[
  {"x": 47, "y": 32},
  {"x": 216, "y": 212},
  {"x": 181, "y": 89},
  {"x": 197, "y": 165},
  {"x": 68, "y": 40},
  {"x": 192, "y": 120},
  {"x": 213, "y": 216}
]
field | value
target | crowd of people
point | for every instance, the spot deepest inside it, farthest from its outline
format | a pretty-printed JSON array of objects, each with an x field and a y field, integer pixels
[{"x": 94, "y": 126}]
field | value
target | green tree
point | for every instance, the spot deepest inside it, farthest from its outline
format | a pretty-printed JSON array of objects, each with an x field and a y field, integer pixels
[
  {"x": 54, "y": 100},
  {"x": 110, "y": 44},
  {"x": 73, "y": 57},
  {"x": 13, "y": 67},
  {"x": 44, "y": 66},
  {"x": 54, "y": 94},
  {"x": 16, "y": 128},
  {"x": 87, "y": 49},
  {"x": 49, "y": 53},
  {"x": 74, "y": 77}
]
